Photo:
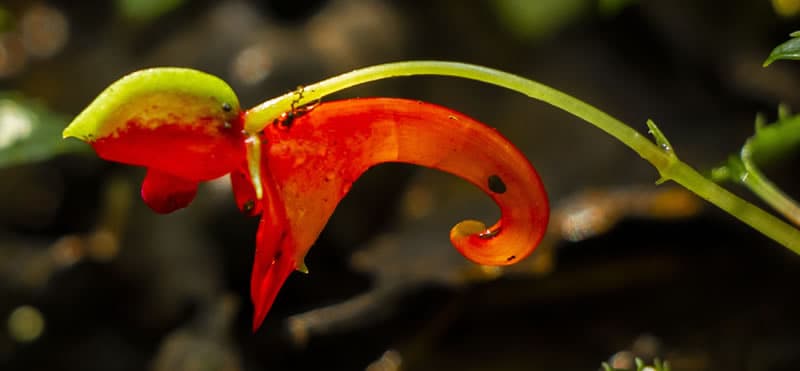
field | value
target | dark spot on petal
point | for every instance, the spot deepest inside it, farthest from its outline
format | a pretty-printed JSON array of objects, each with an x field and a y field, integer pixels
[
  {"x": 248, "y": 206},
  {"x": 510, "y": 258},
  {"x": 496, "y": 184},
  {"x": 277, "y": 256}
]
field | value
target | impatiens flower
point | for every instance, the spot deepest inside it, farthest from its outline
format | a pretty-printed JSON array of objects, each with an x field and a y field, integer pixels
[{"x": 186, "y": 127}]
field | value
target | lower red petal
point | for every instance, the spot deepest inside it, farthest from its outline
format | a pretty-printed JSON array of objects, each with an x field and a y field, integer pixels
[
  {"x": 166, "y": 193},
  {"x": 273, "y": 263}
]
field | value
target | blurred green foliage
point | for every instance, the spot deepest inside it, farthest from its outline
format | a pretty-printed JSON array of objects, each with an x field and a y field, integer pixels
[
  {"x": 535, "y": 20},
  {"x": 6, "y": 19},
  {"x": 146, "y": 10},
  {"x": 658, "y": 365},
  {"x": 30, "y": 132},
  {"x": 613, "y": 7}
]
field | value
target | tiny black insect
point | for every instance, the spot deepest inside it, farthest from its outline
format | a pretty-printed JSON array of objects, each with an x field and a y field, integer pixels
[{"x": 287, "y": 118}]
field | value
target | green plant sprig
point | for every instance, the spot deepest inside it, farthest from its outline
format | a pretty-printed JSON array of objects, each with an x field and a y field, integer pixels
[
  {"x": 661, "y": 154},
  {"x": 658, "y": 365},
  {"x": 768, "y": 143}
]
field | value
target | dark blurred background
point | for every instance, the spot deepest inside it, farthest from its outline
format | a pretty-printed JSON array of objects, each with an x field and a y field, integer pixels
[{"x": 90, "y": 279}]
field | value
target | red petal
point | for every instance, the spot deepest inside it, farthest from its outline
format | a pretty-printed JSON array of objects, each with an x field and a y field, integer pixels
[
  {"x": 179, "y": 154},
  {"x": 311, "y": 158},
  {"x": 243, "y": 192},
  {"x": 275, "y": 254},
  {"x": 316, "y": 156},
  {"x": 271, "y": 266},
  {"x": 165, "y": 193},
  {"x": 275, "y": 247},
  {"x": 194, "y": 152}
]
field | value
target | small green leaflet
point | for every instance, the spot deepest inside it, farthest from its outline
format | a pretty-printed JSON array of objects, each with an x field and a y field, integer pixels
[{"x": 788, "y": 50}]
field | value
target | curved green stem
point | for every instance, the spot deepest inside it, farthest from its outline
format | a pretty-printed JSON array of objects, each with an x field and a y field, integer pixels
[
  {"x": 743, "y": 170},
  {"x": 753, "y": 179},
  {"x": 662, "y": 157}
]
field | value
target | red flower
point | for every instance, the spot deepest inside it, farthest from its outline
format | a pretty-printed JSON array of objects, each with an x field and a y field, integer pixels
[{"x": 295, "y": 171}]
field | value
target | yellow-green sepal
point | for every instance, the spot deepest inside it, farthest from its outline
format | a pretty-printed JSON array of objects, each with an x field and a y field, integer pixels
[{"x": 156, "y": 95}]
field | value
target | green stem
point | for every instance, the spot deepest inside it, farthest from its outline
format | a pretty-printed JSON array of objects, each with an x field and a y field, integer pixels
[
  {"x": 769, "y": 142},
  {"x": 770, "y": 193},
  {"x": 663, "y": 158},
  {"x": 766, "y": 190}
]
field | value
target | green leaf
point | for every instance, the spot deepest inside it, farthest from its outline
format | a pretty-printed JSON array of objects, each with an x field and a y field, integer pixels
[
  {"x": 775, "y": 141},
  {"x": 770, "y": 143},
  {"x": 788, "y": 50},
  {"x": 29, "y": 132}
]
